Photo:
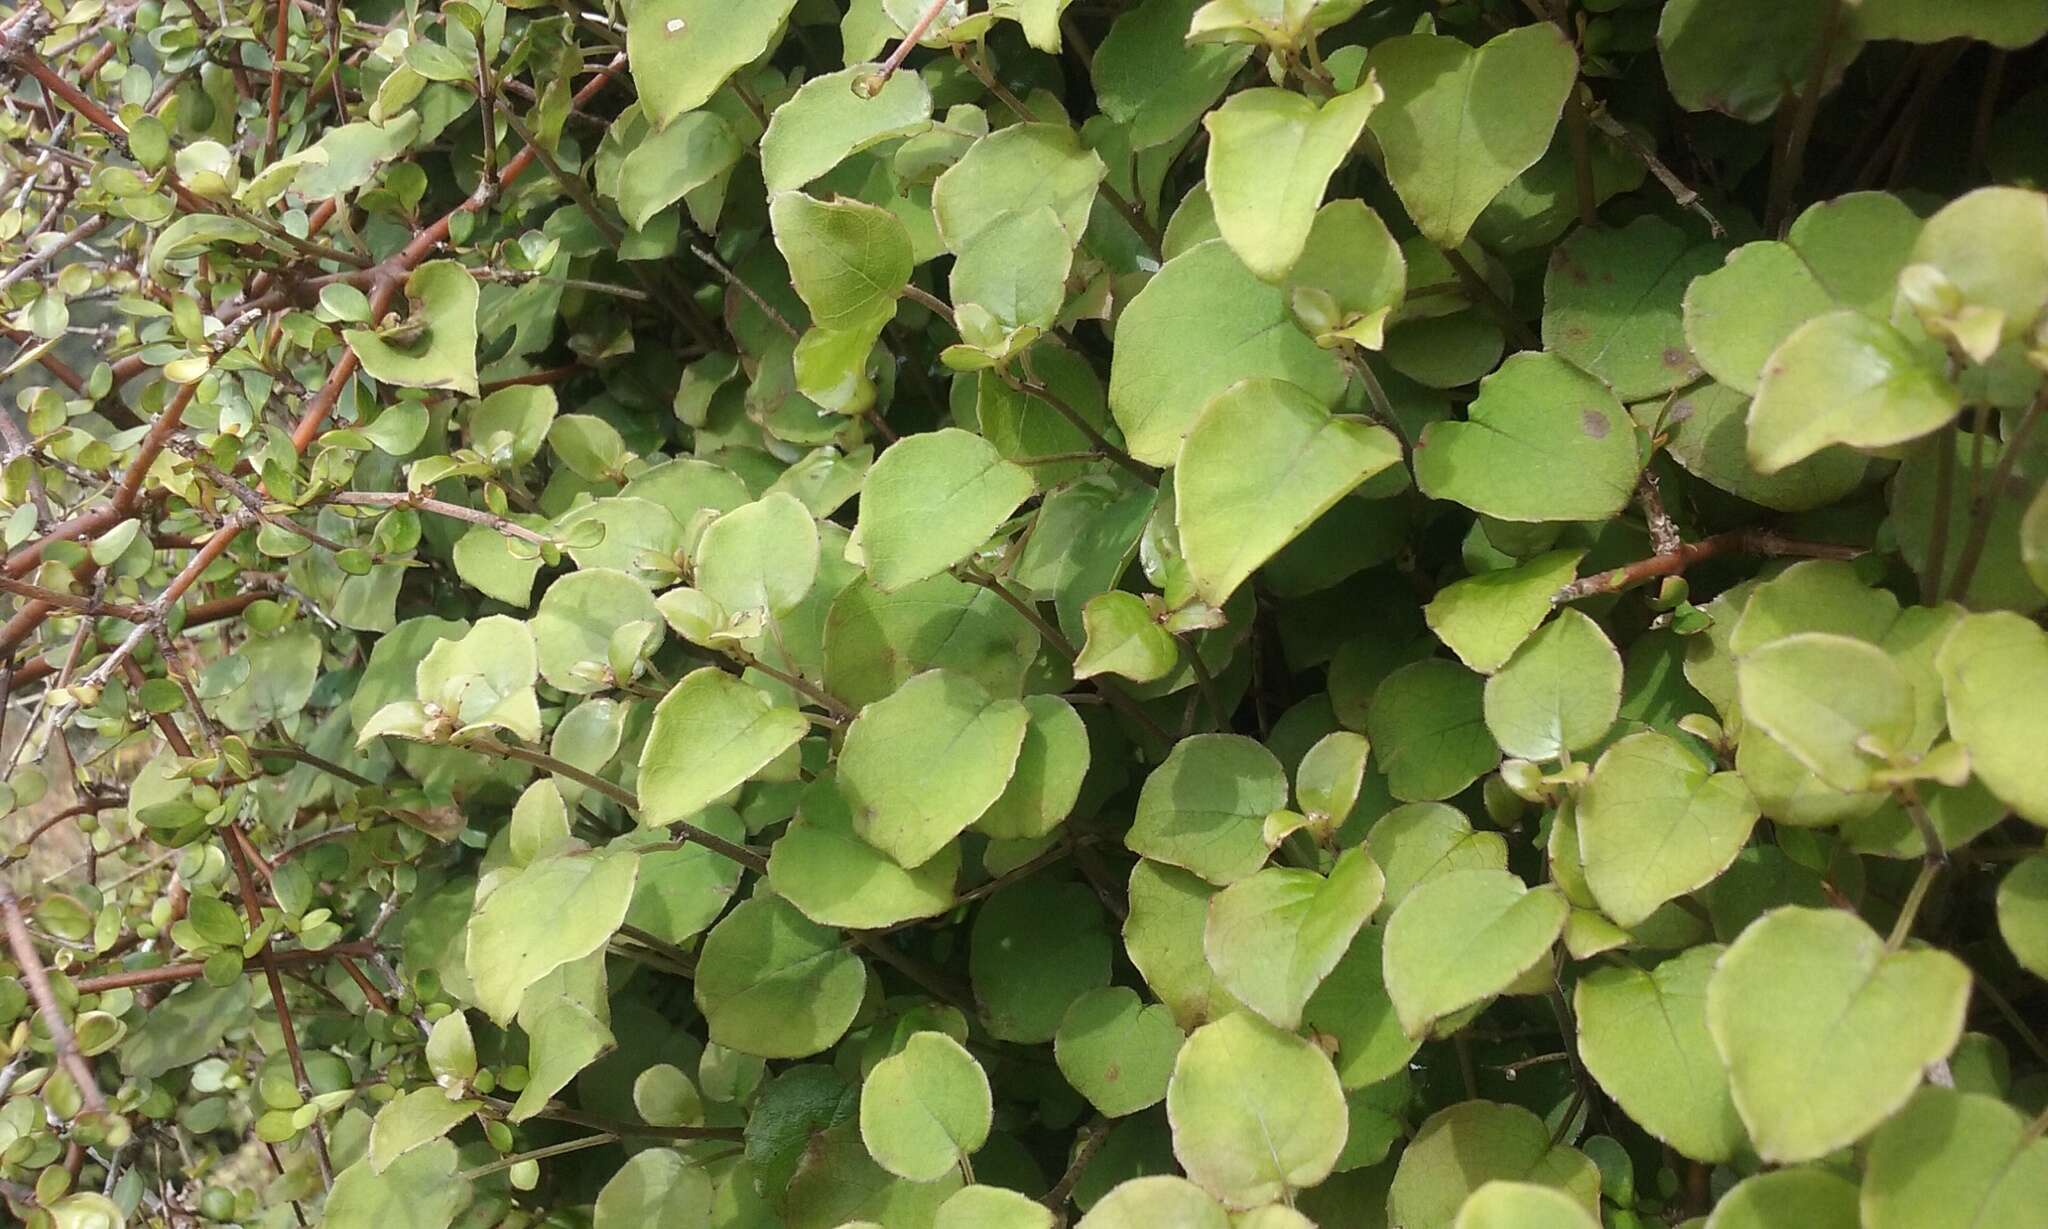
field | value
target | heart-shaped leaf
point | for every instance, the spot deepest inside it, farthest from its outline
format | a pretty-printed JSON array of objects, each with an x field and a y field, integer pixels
[
  {"x": 1464, "y": 936},
  {"x": 1256, "y": 1112},
  {"x": 1260, "y": 464},
  {"x": 1643, "y": 1036},
  {"x": 1545, "y": 442},
  {"x": 1272, "y": 938},
  {"x": 1823, "y": 1031},
  {"x": 1654, "y": 823},
  {"x": 1271, "y": 155},
  {"x": 1460, "y": 123},
  {"x": 924, "y": 763},
  {"x": 1202, "y": 324}
]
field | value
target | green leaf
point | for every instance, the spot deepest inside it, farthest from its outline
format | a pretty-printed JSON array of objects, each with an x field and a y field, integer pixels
[
  {"x": 1271, "y": 155},
  {"x": 1051, "y": 766},
  {"x": 1994, "y": 669},
  {"x": 773, "y": 983},
  {"x": 1951, "y": 1160},
  {"x": 925, "y": 1109},
  {"x": 541, "y": 918},
  {"x": 675, "y": 160},
  {"x": 1256, "y": 1112},
  {"x": 1460, "y": 123},
  {"x": 1418, "y": 842},
  {"x": 1743, "y": 58},
  {"x": 1260, "y": 464},
  {"x": 414, "y": 1120},
  {"x": 1462, "y": 937},
  {"x": 1841, "y": 706},
  {"x": 1352, "y": 1009},
  {"x": 874, "y": 641},
  {"x": 1150, "y": 79},
  {"x": 681, "y": 891},
  {"x": 1204, "y": 809},
  {"x": 931, "y": 501},
  {"x": 711, "y": 734},
  {"x": 992, "y": 1207},
  {"x": 1117, "y": 1050},
  {"x": 2010, "y": 24},
  {"x": 1559, "y": 693},
  {"x": 1036, "y": 947},
  {"x": 441, "y": 298},
  {"x": 821, "y": 866},
  {"x": 1428, "y": 730},
  {"x": 1707, "y": 433},
  {"x": 2034, "y": 540},
  {"x": 573, "y": 626},
  {"x": 838, "y": 1184},
  {"x": 1353, "y": 259},
  {"x": 1736, "y": 315},
  {"x": 1163, "y": 938},
  {"x": 760, "y": 556},
  {"x": 183, "y": 1028},
  {"x": 849, "y": 260},
  {"x": 657, "y": 1186},
  {"x": 1484, "y": 618},
  {"x": 1612, "y": 304},
  {"x": 1164, "y": 1199},
  {"x": 1330, "y": 776},
  {"x": 1823, "y": 1031},
  {"x": 1463, "y": 1147},
  {"x": 920, "y": 766},
  {"x": 827, "y": 122},
  {"x": 1016, "y": 173},
  {"x": 683, "y": 50},
  {"x": 1017, "y": 270},
  {"x": 1811, "y": 1198},
  {"x": 1124, "y": 638},
  {"x": 2023, "y": 914},
  {"x": 420, "y": 1190},
  {"x": 1643, "y": 1036},
  {"x": 1991, "y": 246},
  {"x": 1844, "y": 378},
  {"x": 1655, "y": 823},
  {"x": 1544, "y": 442},
  {"x": 1274, "y": 937},
  {"x": 1522, "y": 1205},
  {"x": 1202, "y": 324}
]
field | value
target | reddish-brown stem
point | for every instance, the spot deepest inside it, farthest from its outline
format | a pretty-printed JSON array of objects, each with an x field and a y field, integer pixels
[
  {"x": 72, "y": 601},
  {"x": 172, "y": 973},
  {"x": 1736, "y": 542},
  {"x": 277, "y": 50}
]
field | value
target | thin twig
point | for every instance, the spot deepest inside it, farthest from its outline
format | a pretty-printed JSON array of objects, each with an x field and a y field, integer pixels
[
  {"x": 903, "y": 46},
  {"x": 38, "y": 979},
  {"x": 1479, "y": 291},
  {"x": 624, "y": 797},
  {"x": 439, "y": 507},
  {"x": 241, "y": 855},
  {"x": 1995, "y": 490},
  {"x": 1735, "y": 542},
  {"x": 1093, "y": 1137},
  {"x": 1790, "y": 165}
]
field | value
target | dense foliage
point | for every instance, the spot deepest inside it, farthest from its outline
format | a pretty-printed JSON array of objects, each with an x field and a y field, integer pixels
[{"x": 1150, "y": 614}]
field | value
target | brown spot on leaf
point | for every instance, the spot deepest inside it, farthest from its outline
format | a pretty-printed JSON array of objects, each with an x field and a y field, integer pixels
[
  {"x": 1680, "y": 412},
  {"x": 1676, "y": 359},
  {"x": 1593, "y": 423}
]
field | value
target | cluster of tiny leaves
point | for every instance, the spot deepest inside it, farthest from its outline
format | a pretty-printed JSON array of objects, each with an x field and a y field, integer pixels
[{"x": 1003, "y": 614}]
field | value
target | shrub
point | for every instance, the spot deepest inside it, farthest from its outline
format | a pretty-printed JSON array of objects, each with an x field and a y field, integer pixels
[{"x": 1136, "y": 613}]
